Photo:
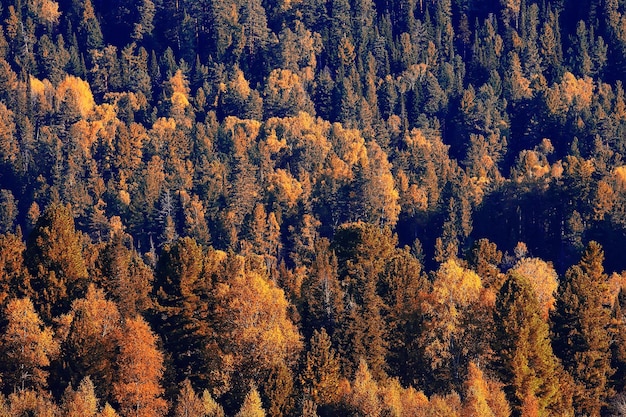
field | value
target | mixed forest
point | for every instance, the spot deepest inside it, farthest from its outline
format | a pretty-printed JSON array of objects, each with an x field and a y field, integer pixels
[{"x": 312, "y": 208}]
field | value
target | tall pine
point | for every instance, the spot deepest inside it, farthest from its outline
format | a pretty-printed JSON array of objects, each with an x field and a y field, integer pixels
[
  {"x": 581, "y": 331},
  {"x": 525, "y": 362}
]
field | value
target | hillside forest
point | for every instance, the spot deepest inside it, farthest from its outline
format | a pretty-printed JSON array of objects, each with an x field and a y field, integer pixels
[{"x": 312, "y": 208}]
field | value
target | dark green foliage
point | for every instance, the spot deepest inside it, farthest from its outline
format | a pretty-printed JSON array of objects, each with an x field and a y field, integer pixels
[
  {"x": 525, "y": 362},
  {"x": 582, "y": 337}
]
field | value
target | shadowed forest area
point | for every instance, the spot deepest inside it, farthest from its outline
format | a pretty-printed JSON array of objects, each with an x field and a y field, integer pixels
[{"x": 377, "y": 208}]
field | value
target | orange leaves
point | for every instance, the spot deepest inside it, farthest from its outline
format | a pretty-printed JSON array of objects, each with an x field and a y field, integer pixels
[{"x": 140, "y": 363}]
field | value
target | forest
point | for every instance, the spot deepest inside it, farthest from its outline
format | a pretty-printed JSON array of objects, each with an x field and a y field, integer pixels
[{"x": 379, "y": 208}]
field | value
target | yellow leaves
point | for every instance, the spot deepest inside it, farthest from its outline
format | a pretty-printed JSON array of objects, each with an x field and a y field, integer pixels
[
  {"x": 619, "y": 174},
  {"x": 37, "y": 87},
  {"x": 542, "y": 278},
  {"x": 164, "y": 124},
  {"x": 252, "y": 406},
  {"x": 258, "y": 332},
  {"x": 455, "y": 284},
  {"x": 180, "y": 94},
  {"x": 81, "y": 90},
  {"x": 124, "y": 197},
  {"x": 273, "y": 144},
  {"x": 349, "y": 145},
  {"x": 243, "y": 133},
  {"x": 239, "y": 84},
  {"x": 572, "y": 92},
  {"x": 282, "y": 79},
  {"x": 9, "y": 147},
  {"x": 26, "y": 344},
  {"x": 287, "y": 188},
  {"x": 47, "y": 11}
]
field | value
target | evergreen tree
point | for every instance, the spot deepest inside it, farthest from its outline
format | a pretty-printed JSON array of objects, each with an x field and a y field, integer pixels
[
  {"x": 581, "y": 331},
  {"x": 526, "y": 363}
]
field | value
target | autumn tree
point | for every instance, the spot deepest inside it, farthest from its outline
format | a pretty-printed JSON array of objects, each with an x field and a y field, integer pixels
[
  {"x": 581, "y": 331},
  {"x": 188, "y": 404},
  {"x": 82, "y": 402},
  {"x": 90, "y": 347},
  {"x": 137, "y": 388},
  {"x": 362, "y": 251},
  {"x": 483, "y": 397},
  {"x": 15, "y": 281},
  {"x": 54, "y": 257},
  {"x": 123, "y": 274},
  {"x": 27, "y": 345},
  {"x": 543, "y": 278},
  {"x": 447, "y": 342},
  {"x": 254, "y": 329},
  {"x": 251, "y": 406},
  {"x": 363, "y": 397},
  {"x": 320, "y": 375}
]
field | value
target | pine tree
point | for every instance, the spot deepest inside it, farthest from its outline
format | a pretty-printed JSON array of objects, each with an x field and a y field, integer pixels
[
  {"x": 181, "y": 313},
  {"x": 581, "y": 331},
  {"x": 526, "y": 363}
]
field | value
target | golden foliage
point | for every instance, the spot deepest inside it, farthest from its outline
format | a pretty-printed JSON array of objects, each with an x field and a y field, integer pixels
[
  {"x": 288, "y": 190},
  {"x": 455, "y": 284},
  {"x": 47, "y": 11},
  {"x": 251, "y": 406},
  {"x": 82, "y": 91},
  {"x": 572, "y": 92},
  {"x": 140, "y": 368},
  {"x": 258, "y": 331},
  {"x": 619, "y": 173},
  {"x": 27, "y": 345},
  {"x": 543, "y": 279}
]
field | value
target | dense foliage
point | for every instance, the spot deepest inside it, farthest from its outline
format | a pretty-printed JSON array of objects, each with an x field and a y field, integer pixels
[{"x": 312, "y": 207}]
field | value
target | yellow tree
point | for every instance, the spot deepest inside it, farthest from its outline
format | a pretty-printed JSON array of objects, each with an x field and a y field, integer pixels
[
  {"x": 483, "y": 396},
  {"x": 254, "y": 327},
  {"x": 251, "y": 406},
  {"x": 364, "y": 394},
  {"x": 27, "y": 346},
  {"x": 543, "y": 279},
  {"x": 448, "y": 341},
  {"x": 14, "y": 278},
  {"x": 188, "y": 404},
  {"x": 108, "y": 411},
  {"x": 82, "y": 402},
  {"x": 140, "y": 368},
  {"x": 54, "y": 257},
  {"x": 211, "y": 407},
  {"x": 91, "y": 343}
]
